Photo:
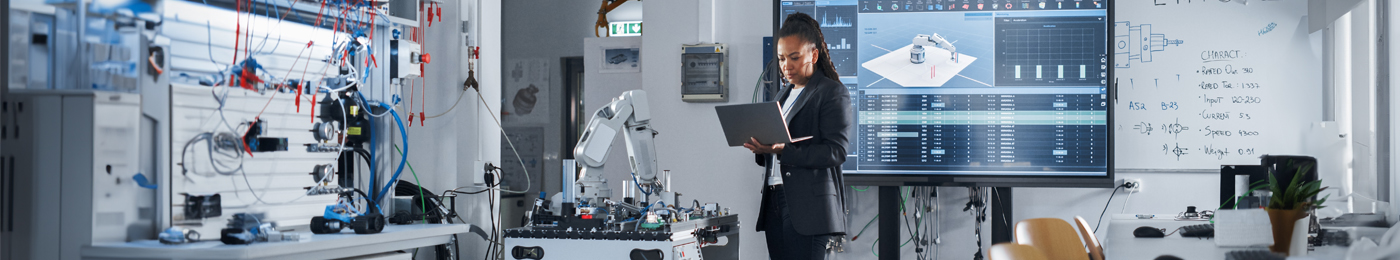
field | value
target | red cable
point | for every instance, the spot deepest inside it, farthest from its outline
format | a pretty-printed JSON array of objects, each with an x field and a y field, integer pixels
[
  {"x": 237, "y": 31},
  {"x": 303, "y": 82},
  {"x": 422, "y": 117},
  {"x": 411, "y": 89},
  {"x": 320, "y": 12},
  {"x": 248, "y": 34},
  {"x": 299, "y": 84}
]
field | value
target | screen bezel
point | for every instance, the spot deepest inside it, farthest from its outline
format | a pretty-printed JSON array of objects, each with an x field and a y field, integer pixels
[{"x": 893, "y": 179}]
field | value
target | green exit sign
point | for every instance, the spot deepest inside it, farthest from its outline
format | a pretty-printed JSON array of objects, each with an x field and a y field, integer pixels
[{"x": 633, "y": 28}]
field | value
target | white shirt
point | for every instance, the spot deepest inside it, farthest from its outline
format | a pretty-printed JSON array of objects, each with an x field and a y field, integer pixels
[{"x": 774, "y": 178}]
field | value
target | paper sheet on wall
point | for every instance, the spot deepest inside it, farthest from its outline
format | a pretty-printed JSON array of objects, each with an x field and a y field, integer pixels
[
  {"x": 529, "y": 142},
  {"x": 526, "y": 97}
]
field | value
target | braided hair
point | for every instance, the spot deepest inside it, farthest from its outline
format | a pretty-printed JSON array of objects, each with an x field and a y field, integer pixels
[{"x": 806, "y": 28}]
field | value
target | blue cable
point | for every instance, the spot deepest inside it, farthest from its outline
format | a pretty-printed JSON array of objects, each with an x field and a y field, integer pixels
[
  {"x": 403, "y": 160},
  {"x": 639, "y": 185},
  {"x": 644, "y": 209},
  {"x": 372, "y": 155}
]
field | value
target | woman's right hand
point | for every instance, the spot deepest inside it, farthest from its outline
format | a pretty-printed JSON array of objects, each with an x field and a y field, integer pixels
[{"x": 760, "y": 148}]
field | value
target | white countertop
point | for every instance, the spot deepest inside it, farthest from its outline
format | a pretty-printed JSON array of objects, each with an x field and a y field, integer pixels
[
  {"x": 327, "y": 246},
  {"x": 1119, "y": 243}
]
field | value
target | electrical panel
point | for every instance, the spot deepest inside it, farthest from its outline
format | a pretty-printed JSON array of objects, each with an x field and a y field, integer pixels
[{"x": 705, "y": 73}]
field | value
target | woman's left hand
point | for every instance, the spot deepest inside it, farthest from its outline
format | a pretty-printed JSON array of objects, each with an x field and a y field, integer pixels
[{"x": 760, "y": 148}]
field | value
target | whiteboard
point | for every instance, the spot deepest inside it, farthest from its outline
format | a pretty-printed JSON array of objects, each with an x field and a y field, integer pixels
[{"x": 1206, "y": 83}]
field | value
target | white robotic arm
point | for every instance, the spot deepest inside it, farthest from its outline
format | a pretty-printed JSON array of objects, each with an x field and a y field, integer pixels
[
  {"x": 630, "y": 114},
  {"x": 916, "y": 54}
]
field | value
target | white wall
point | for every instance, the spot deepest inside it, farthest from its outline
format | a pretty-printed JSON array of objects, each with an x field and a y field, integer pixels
[
  {"x": 1394, "y": 113},
  {"x": 599, "y": 89},
  {"x": 1353, "y": 37},
  {"x": 450, "y": 150},
  {"x": 1362, "y": 102},
  {"x": 478, "y": 135},
  {"x": 690, "y": 143}
]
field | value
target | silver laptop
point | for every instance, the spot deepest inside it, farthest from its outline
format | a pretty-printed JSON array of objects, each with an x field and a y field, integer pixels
[{"x": 762, "y": 121}]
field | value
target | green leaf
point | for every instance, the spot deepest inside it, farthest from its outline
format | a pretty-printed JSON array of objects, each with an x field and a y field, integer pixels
[
  {"x": 1273, "y": 185},
  {"x": 1297, "y": 193},
  {"x": 1293, "y": 184},
  {"x": 1309, "y": 190},
  {"x": 1322, "y": 201}
]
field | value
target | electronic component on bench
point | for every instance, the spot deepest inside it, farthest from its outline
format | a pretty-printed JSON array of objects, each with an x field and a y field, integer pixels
[
  {"x": 338, "y": 216},
  {"x": 256, "y": 143},
  {"x": 245, "y": 228},
  {"x": 202, "y": 206},
  {"x": 177, "y": 235}
]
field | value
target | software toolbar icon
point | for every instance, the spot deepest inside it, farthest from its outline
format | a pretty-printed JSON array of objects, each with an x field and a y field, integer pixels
[
  {"x": 1042, "y": 5},
  {"x": 979, "y": 6}
]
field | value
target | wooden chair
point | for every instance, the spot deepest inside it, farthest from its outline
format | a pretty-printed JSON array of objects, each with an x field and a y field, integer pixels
[
  {"x": 1095, "y": 248},
  {"x": 1053, "y": 237},
  {"x": 1011, "y": 251}
]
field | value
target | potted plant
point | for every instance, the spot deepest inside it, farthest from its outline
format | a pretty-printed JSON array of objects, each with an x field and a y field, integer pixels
[{"x": 1290, "y": 202}]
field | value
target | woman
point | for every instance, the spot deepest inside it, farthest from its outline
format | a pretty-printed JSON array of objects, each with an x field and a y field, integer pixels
[{"x": 802, "y": 214}]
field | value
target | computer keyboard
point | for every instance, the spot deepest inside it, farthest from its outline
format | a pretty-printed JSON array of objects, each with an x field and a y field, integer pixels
[
  {"x": 1253, "y": 255},
  {"x": 1202, "y": 230}
]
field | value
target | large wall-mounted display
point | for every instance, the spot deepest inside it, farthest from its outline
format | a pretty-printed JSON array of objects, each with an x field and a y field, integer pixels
[{"x": 993, "y": 92}]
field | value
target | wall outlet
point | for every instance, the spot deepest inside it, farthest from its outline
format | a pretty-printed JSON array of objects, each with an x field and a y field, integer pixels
[
  {"x": 479, "y": 172},
  {"x": 1132, "y": 185}
]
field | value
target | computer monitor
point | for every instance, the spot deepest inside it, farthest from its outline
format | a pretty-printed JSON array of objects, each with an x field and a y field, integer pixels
[{"x": 973, "y": 92}]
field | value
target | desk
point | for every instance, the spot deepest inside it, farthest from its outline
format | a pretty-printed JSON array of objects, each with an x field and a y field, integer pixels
[
  {"x": 1119, "y": 243},
  {"x": 327, "y": 246}
]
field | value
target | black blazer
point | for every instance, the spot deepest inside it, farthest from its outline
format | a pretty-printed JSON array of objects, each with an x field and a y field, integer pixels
[{"x": 812, "y": 168}]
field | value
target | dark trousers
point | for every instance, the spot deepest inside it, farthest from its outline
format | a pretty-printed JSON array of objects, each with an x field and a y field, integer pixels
[{"x": 783, "y": 241}]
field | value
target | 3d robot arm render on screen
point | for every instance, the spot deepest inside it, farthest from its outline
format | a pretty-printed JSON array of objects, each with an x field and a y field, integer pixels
[{"x": 916, "y": 54}]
